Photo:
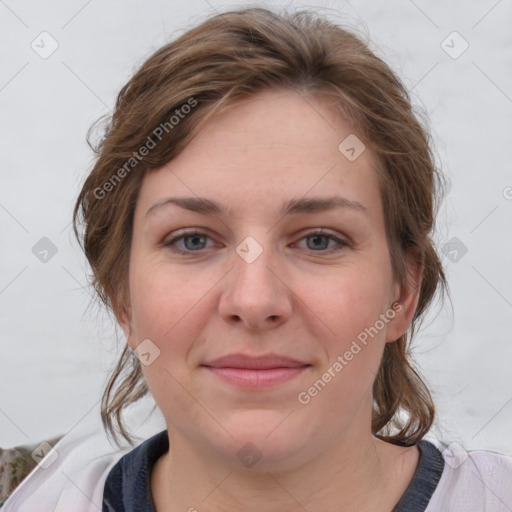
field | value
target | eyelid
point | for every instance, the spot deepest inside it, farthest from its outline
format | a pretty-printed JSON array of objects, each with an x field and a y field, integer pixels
[
  {"x": 340, "y": 240},
  {"x": 319, "y": 231},
  {"x": 179, "y": 233},
  {"x": 182, "y": 233}
]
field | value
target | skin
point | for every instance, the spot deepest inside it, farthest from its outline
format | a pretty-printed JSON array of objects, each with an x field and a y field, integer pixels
[{"x": 295, "y": 299}]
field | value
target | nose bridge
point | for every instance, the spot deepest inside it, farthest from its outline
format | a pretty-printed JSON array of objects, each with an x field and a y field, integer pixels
[
  {"x": 254, "y": 293},
  {"x": 253, "y": 265}
]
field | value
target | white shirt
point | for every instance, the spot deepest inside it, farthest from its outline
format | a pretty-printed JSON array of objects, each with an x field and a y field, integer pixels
[{"x": 472, "y": 481}]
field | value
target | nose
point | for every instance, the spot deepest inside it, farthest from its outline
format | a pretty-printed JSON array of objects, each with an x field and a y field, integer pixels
[{"x": 255, "y": 295}]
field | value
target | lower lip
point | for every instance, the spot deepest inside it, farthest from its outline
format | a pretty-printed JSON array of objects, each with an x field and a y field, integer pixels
[{"x": 257, "y": 379}]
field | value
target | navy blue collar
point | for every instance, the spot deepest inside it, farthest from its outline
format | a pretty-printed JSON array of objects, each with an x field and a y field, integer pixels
[
  {"x": 128, "y": 484},
  {"x": 424, "y": 481}
]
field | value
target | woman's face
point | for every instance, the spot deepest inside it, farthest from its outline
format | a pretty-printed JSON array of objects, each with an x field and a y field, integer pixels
[{"x": 238, "y": 266}]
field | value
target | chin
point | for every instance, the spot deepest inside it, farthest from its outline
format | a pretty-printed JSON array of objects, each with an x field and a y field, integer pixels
[{"x": 266, "y": 440}]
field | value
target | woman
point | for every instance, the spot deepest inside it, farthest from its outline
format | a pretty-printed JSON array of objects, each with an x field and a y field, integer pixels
[{"x": 259, "y": 221}]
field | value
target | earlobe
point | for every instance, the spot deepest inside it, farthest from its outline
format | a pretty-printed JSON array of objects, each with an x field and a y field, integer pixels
[
  {"x": 126, "y": 328},
  {"x": 406, "y": 297},
  {"x": 123, "y": 317},
  {"x": 128, "y": 332}
]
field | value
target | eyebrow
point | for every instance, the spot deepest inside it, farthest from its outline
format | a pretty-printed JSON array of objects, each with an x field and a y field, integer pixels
[{"x": 290, "y": 207}]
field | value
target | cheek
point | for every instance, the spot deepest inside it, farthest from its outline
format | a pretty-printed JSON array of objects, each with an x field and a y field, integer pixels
[
  {"x": 164, "y": 299},
  {"x": 351, "y": 306},
  {"x": 172, "y": 308},
  {"x": 171, "y": 311},
  {"x": 347, "y": 303}
]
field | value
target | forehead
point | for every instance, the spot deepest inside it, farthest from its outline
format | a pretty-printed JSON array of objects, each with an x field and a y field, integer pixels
[{"x": 275, "y": 145}]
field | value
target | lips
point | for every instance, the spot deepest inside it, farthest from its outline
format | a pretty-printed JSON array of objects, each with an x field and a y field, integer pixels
[
  {"x": 256, "y": 373},
  {"x": 266, "y": 362}
]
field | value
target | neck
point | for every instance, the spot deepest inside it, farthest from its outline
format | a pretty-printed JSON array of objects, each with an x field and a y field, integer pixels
[{"x": 359, "y": 472}]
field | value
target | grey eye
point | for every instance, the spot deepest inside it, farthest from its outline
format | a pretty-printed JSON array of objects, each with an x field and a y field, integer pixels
[
  {"x": 318, "y": 242},
  {"x": 194, "y": 242}
]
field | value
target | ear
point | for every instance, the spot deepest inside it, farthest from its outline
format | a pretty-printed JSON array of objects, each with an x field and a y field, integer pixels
[
  {"x": 406, "y": 296},
  {"x": 123, "y": 316}
]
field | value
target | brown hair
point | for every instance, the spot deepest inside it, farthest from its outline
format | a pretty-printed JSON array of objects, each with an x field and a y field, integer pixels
[{"x": 233, "y": 56}]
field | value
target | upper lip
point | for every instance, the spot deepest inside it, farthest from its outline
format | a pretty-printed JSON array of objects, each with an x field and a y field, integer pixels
[{"x": 264, "y": 362}]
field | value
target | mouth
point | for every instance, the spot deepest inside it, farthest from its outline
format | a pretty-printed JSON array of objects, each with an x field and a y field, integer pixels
[{"x": 260, "y": 372}]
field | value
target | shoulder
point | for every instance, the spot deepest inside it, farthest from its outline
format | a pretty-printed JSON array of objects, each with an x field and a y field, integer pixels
[
  {"x": 70, "y": 477},
  {"x": 472, "y": 480}
]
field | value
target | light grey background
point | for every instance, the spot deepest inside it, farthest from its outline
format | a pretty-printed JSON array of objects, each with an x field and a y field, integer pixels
[{"x": 55, "y": 354}]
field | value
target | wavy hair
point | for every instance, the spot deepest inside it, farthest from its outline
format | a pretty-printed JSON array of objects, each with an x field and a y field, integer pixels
[{"x": 233, "y": 56}]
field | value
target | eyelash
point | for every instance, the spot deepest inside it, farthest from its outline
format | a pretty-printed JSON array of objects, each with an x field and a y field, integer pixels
[{"x": 170, "y": 245}]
